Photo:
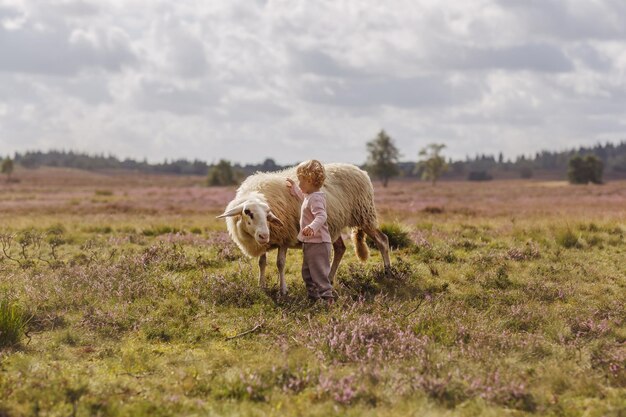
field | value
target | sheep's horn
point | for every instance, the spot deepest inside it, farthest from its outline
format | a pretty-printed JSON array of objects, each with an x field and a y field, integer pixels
[
  {"x": 273, "y": 219},
  {"x": 232, "y": 212}
]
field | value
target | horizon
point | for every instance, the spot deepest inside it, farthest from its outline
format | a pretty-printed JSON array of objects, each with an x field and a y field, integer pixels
[
  {"x": 160, "y": 80},
  {"x": 259, "y": 162}
]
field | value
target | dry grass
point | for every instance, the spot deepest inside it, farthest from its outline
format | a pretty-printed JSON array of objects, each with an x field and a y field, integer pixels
[{"x": 507, "y": 300}]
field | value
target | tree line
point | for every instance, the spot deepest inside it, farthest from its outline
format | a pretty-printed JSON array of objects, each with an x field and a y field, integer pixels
[
  {"x": 581, "y": 166},
  {"x": 100, "y": 162},
  {"x": 585, "y": 164}
]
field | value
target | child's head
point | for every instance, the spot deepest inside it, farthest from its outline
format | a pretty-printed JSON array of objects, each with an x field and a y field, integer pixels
[{"x": 312, "y": 172}]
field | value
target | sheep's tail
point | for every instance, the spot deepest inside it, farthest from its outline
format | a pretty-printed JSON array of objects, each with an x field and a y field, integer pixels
[{"x": 360, "y": 247}]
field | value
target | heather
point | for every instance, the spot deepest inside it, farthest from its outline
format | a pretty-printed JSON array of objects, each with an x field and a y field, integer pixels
[{"x": 126, "y": 297}]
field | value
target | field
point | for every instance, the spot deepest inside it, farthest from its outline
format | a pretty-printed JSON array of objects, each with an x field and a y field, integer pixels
[{"x": 128, "y": 298}]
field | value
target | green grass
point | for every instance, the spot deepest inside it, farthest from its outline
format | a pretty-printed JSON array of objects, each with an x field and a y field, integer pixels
[
  {"x": 396, "y": 233},
  {"x": 13, "y": 321},
  {"x": 103, "y": 192},
  {"x": 477, "y": 317}
]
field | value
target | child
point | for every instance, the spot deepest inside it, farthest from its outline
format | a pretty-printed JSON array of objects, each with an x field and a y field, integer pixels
[{"x": 314, "y": 233}]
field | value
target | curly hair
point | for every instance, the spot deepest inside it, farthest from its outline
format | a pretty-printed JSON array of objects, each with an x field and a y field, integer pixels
[{"x": 312, "y": 171}]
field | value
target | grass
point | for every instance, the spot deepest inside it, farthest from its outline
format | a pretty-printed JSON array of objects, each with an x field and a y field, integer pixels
[
  {"x": 397, "y": 235},
  {"x": 13, "y": 322},
  {"x": 484, "y": 313}
]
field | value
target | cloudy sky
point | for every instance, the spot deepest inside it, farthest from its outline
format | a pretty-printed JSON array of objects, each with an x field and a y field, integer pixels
[{"x": 297, "y": 79}]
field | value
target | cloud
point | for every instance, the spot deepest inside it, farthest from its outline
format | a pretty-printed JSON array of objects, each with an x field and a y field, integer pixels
[
  {"x": 570, "y": 19},
  {"x": 76, "y": 8},
  {"x": 8, "y": 13},
  {"x": 178, "y": 48},
  {"x": 531, "y": 57},
  {"x": 57, "y": 51},
  {"x": 590, "y": 57},
  {"x": 249, "y": 80},
  {"x": 320, "y": 63},
  {"x": 429, "y": 91},
  {"x": 157, "y": 96}
]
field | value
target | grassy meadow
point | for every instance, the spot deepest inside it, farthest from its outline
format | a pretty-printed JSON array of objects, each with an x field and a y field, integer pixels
[{"x": 121, "y": 294}]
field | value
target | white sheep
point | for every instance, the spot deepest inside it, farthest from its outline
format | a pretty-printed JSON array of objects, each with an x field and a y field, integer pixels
[{"x": 264, "y": 215}]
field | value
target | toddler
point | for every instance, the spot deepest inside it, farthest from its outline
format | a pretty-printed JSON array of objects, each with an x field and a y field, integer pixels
[{"x": 314, "y": 233}]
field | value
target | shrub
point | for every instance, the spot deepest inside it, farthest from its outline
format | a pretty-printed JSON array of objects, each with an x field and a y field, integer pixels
[
  {"x": 526, "y": 172},
  {"x": 360, "y": 387},
  {"x": 359, "y": 281},
  {"x": 236, "y": 288},
  {"x": 104, "y": 192},
  {"x": 499, "y": 279},
  {"x": 160, "y": 230},
  {"x": 364, "y": 281},
  {"x": 7, "y": 168},
  {"x": 68, "y": 338},
  {"x": 357, "y": 337},
  {"x": 433, "y": 210},
  {"x": 567, "y": 239},
  {"x": 13, "y": 321},
  {"x": 530, "y": 251},
  {"x": 258, "y": 385},
  {"x": 585, "y": 170},
  {"x": 445, "y": 391},
  {"x": 479, "y": 176},
  {"x": 98, "y": 229},
  {"x": 56, "y": 229},
  {"x": 222, "y": 174},
  {"x": 398, "y": 237}
]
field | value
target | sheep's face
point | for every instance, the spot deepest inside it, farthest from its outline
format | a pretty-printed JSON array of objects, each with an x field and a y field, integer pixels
[{"x": 255, "y": 219}]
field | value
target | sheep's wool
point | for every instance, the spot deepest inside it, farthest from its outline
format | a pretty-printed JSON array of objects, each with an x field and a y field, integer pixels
[{"x": 349, "y": 203}]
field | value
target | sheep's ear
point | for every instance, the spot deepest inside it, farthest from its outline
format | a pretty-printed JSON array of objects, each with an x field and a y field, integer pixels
[
  {"x": 273, "y": 219},
  {"x": 232, "y": 212}
]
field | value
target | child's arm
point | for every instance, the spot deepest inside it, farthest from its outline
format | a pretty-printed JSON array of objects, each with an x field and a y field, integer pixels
[
  {"x": 295, "y": 190},
  {"x": 318, "y": 208}
]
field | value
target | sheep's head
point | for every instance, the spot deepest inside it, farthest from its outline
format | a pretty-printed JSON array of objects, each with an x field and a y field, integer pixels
[{"x": 255, "y": 218}]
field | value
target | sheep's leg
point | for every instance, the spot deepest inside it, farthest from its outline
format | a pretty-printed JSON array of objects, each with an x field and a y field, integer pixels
[
  {"x": 339, "y": 248},
  {"x": 382, "y": 242},
  {"x": 281, "y": 261},
  {"x": 262, "y": 265}
]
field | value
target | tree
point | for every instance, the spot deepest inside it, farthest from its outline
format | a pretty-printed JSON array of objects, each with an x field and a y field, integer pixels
[
  {"x": 383, "y": 157},
  {"x": 585, "y": 170},
  {"x": 526, "y": 172},
  {"x": 222, "y": 174},
  {"x": 479, "y": 176},
  {"x": 433, "y": 165},
  {"x": 595, "y": 167},
  {"x": 7, "y": 168},
  {"x": 269, "y": 165}
]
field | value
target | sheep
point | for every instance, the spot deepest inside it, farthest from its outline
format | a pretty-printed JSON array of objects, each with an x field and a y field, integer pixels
[{"x": 264, "y": 216}]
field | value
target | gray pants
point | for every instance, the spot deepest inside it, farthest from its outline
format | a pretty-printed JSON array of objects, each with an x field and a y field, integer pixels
[{"x": 315, "y": 269}]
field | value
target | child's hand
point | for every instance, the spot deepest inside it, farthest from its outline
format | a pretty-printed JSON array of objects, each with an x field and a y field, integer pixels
[
  {"x": 307, "y": 231},
  {"x": 290, "y": 182}
]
